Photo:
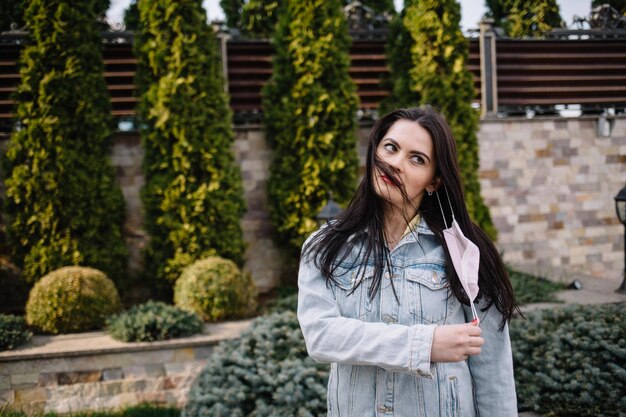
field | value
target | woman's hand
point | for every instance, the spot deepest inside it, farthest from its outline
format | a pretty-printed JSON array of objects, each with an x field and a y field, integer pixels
[{"x": 455, "y": 342}]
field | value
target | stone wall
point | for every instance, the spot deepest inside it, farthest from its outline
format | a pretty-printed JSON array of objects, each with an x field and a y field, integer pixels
[
  {"x": 549, "y": 183},
  {"x": 91, "y": 371}
]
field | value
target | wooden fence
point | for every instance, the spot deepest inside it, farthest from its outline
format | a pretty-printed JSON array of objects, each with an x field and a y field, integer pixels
[{"x": 508, "y": 75}]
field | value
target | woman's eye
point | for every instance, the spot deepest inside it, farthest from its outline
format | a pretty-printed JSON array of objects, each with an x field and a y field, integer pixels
[
  {"x": 390, "y": 147},
  {"x": 417, "y": 159}
]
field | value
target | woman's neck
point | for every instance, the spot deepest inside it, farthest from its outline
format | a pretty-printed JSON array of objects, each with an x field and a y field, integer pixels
[{"x": 395, "y": 225}]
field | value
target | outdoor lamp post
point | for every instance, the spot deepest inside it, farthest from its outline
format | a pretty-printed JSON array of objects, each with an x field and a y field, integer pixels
[
  {"x": 620, "y": 207},
  {"x": 329, "y": 211}
]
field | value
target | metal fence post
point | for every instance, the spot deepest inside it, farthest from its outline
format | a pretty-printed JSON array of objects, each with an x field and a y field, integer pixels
[{"x": 488, "y": 73}]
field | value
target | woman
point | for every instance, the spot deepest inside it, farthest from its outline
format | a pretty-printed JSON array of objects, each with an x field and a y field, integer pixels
[{"x": 381, "y": 301}]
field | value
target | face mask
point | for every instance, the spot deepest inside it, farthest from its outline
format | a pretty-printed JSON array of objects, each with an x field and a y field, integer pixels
[{"x": 465, "y": 257}]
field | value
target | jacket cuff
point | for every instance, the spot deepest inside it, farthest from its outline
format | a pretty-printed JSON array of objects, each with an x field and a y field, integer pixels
[{"x": 420, "y": 347}]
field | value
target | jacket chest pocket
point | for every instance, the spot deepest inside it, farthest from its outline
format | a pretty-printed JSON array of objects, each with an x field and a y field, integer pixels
[
  {"x": 427, "y": 293},
  {"x": 351, "y": 291}
]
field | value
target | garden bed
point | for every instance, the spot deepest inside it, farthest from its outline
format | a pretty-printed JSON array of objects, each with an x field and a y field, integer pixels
[{"x": 91, "y": 371}]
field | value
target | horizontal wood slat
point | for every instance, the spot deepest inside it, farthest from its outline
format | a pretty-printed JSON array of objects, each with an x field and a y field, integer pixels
[
  {"x": 529, "y": 72},
  {"x": 550, "y": 72}
]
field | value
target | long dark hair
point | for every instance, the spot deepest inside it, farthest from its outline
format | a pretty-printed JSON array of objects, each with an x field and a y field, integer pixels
[{"x": 361, "y": 224}]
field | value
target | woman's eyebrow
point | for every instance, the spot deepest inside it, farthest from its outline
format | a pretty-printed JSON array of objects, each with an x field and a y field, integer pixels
[{"x": 416, "y": 152}]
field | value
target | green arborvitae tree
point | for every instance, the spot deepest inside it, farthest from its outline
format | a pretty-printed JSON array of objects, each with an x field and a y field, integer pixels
[
  {"x": 258, "y": 18},
  {"x": 439, "y": 74},
  {"x": 193, "y": 197},
  {"x": 379, "y": 6},
  {"x": 63, "y": 204},
  {"x": 398, "y": 81},
  {"x": 11, "y": 11},
  {"x": 131, "y": 16},
  {"x": 232, "y": 12},
  {"x": 619, "y": 5},
  {"x": 525, "y": 18},
  {"x": 309, "y": 115}
]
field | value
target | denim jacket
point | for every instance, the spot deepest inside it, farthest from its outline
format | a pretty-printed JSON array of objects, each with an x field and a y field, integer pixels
[{"x": 379, "y": 348}]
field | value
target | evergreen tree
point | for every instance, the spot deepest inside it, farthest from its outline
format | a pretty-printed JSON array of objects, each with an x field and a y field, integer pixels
[
  {"x": 131, "y": 16},
  {"x": 232, "y": 12},
  {"x": 619, "y": 5},
  {"x": 438, "y": 54},
  {"x": 63, "y": 204},
  {"x": 398, "y": 81},
  {"x": 258, "y": 18},
  {"x": 525, "y": 18},
  {"x": 193, "y": 196},
  {"x": 379, "y": 6},
  {"x": 309, "y": 114},
  {"x": 11, "y": 11}
]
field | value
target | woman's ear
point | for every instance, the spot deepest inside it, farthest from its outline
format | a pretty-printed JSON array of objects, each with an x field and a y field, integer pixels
[{"x": 435, "y": 183}]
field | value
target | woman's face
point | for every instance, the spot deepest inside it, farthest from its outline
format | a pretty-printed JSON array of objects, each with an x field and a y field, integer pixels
[{"x": 408, "y": 149}]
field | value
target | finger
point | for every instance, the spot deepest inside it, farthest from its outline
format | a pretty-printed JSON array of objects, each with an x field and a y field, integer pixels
[
  {"x": 476, "y": 341},
  {"x": 474, "y": 331},
  {"x": 473, "y": 351}
]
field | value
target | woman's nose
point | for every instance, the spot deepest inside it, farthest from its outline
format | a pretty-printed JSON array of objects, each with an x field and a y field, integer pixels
[{"x": 396, "y": 163}]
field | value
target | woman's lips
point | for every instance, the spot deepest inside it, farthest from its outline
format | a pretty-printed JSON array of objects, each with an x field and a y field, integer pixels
[{"x": 386, "y": 179}]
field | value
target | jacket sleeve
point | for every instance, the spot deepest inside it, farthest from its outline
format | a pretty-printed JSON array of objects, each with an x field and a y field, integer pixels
[
  {"x": 492, "y": 370},
  {"x": 330, "y": 337}
]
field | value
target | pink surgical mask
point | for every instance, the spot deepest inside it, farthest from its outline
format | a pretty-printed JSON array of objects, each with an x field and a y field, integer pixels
[{"x": 465, "y": 257}]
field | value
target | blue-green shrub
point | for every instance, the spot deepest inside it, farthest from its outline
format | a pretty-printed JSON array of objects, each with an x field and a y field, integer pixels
[
  {"x": 13, "y": 331},
  {"x": 265, "y": 373},
  {"x": 153, "y": 321},
  {"x": 571, "y": 361}
]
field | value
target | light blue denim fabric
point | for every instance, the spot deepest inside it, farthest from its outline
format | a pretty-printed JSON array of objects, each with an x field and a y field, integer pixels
[{"x": 379, "y": 349}]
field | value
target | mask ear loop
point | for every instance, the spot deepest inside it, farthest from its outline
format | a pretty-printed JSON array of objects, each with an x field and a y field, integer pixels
[
  {"x": 441, "y": 208},
  {"x": 449, "y": 202}
]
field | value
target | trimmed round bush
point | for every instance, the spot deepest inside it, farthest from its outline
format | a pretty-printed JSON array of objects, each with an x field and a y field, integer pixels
[
  {"x": 152, "y": 321},
  {"x": 72, "y": 299},
  {"x": 265, "y": 373},
  {"x": 13, "y": 331},
  {"x": 571, "y": 361},
  {"x": 215, "y": 289}
]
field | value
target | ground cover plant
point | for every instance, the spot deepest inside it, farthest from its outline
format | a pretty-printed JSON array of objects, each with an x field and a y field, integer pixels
[
  {"x": 571, "y": 361},
  {"x": 153, "y": 321},
  {"x": 13, "y": 331},
  {"x": 531, "y": 289},
  {"x": 265, "y": 373}
]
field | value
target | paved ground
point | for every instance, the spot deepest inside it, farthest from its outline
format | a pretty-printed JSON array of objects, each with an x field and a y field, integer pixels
[{"x": 594, "y": 290}]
